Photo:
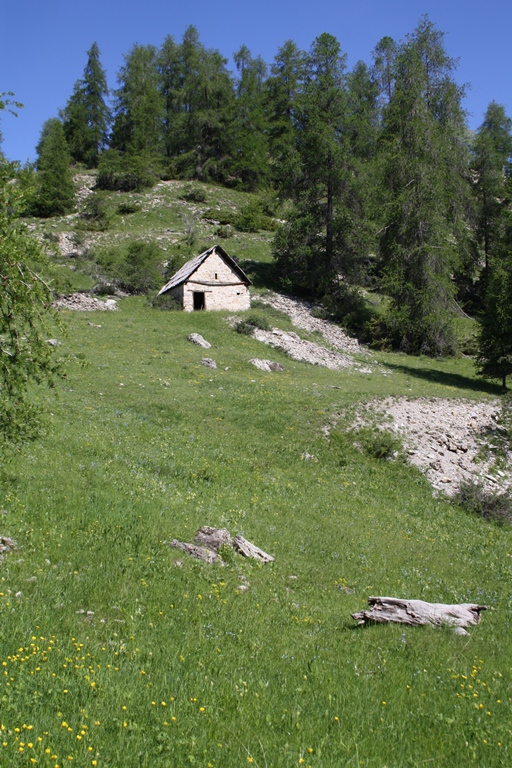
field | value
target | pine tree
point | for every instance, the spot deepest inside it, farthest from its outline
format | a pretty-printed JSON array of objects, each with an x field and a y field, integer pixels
[
  {"x": 55, "y": 192},
  {"x": 425, "y": 163},
  {"x": 86, "y": 116}
]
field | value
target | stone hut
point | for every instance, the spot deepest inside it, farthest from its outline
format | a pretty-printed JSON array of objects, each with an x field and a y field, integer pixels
[{"x": 212, "y": 280}]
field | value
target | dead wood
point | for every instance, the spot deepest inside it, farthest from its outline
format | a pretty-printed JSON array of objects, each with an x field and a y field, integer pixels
[
  {"x": 213, "y": 538},
  {"x": 417, "y": 613},
  {"x": 6, "y": 545},
  {"x": 249, "y": 550},
  {"x": 200, "y": 553},
  {"x": 208, "y": 542}
]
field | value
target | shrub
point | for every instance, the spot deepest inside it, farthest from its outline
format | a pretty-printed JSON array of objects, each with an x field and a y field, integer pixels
[
  {"x": 378, "y": 443},
  {"x": 165, "y": 302},
  {"x": 225, "y": 216},
  {"x": 193, "y": 194},
  {"x": 124, "y": 172},
  {"x": 248, "y": 324},
  {"x": 127, "y": 207},
  {"x": 96, "y": 214},
  {"x": 478, "y": 500},
  {"x": 140, "y": 271}
]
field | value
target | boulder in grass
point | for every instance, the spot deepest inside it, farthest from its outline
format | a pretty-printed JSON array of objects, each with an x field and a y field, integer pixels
[
  {"x": 266, "y": 365},
  {"x": 196, "y": 338}
]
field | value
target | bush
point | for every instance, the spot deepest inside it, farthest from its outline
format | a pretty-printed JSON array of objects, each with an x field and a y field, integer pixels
[
  {"x": 193, "y": 194},
  {"x": 122, "y": 172},
  {"x": 488, "y": 504},
  {"x": 96, "y": 215},
  {"x": 166, "y": 302},
  {"x": 248, "y": 324},
  {"x": 378, "y": 443},
  {"x": 374, "y": 442},
  {"x": 142, "y": 268},
  {"x": 225, "y": 216},
  {"x": 128, "y": 207}
]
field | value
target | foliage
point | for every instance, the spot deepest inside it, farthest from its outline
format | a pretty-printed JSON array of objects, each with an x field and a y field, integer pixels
[
  {"x": 128, "y": 207},
  {"x": 482, "y": 501},
  {"x": 54, "y": 190},
  {"x": 120, "y": 172},
  {"x": 86, "y": 117},
  {"x": 250, "y": 322},
  {"x": 26, "y": 320},
  {"x": 425, "y": 161},
  {"x": 139, "y": 107},
  {"x": 141, "y": 270},
  {"x": 194, "y": 194},
  {"x": 494, "y": 359},
  {"x": 166, "y": 302},
  {"x": 96, "y": 213}
]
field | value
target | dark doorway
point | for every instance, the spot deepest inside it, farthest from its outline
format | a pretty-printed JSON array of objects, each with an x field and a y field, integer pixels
[{"x": 198, "y": 300}]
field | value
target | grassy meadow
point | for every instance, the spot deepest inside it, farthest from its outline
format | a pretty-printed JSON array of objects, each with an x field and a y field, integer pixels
[{"x": 118, "y": 651}]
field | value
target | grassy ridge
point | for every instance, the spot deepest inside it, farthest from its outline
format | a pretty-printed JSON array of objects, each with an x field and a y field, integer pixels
[{"x": 177, "y": 666}]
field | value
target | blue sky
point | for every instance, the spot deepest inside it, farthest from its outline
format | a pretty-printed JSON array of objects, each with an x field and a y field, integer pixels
[{"x": 44, "y": 42}]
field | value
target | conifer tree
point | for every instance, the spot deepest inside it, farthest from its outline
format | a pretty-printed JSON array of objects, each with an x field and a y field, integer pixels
[
  {"x": 250, "y": 162},
  {"x": 199, "y": 99},
  {"x": 139, "y": 107},
  {"x": 55, "y": 192},
  {"x": 492, "y": 164},
  {"x": 322, "y": 244},
  {"x": 282, "y": 90},
  {"x": 86, "y": 116},
  {"x": 425, "y": 168}
]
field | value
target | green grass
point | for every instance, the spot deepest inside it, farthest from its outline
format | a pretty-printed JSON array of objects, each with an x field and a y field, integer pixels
[{"x": 176, "y": 666}]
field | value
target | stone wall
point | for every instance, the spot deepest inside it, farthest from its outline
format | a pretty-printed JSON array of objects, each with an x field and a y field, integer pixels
[{"x": 221, "y": 287}]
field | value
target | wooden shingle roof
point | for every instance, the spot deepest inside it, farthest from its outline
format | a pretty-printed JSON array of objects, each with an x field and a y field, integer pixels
[{"x": 188, "y": 269}]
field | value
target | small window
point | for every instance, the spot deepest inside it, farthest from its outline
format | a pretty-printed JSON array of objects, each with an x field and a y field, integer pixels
[{"x": 216, "y": 276}]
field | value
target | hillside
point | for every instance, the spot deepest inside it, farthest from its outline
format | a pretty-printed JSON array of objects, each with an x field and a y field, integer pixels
[{"x": 120, "y": 650}]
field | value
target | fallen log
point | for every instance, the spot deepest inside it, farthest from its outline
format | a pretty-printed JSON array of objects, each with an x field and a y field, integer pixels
[
  {"x": 385, "y": 610},
  {"x": 200, "y": 553},
  {"x": 208, "y": 542},
  {"x": 250, "y": 550}
]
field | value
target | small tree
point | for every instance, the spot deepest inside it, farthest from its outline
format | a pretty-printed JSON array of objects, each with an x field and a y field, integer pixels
[
  {"x": 25, "y": 318},
  {"x": 55, "y": 192}
]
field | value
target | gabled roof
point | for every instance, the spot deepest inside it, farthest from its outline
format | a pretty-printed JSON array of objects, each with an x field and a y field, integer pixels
[{"x": 188, "y": 269}]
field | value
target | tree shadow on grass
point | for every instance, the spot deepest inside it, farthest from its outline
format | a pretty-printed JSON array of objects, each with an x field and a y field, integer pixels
[{"x": 448, "y": 379}]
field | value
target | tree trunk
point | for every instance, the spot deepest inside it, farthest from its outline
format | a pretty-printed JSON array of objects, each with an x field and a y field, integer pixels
[{"x": 385, "y": 610}]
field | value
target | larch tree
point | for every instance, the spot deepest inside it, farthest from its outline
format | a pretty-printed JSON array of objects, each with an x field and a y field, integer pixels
[
  {"x": 54, "y": 189},
  {"x": 426, "y": 193},
  {"x": 249, "y": 156},
  {"x": 492, "y": 163},
  {"x": 319, "y": 249},
  {"x": 139, "y": 106},
  {"x": 86, "y": 116}
]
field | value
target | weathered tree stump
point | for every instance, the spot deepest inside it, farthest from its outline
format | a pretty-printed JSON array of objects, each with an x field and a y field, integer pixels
[
  {"x": 385, "y": 610},
  {"x": 213, "y": 538}
]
